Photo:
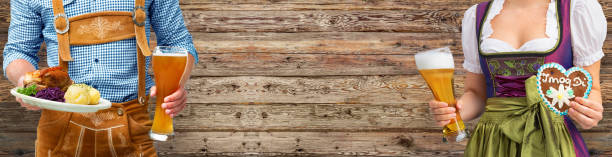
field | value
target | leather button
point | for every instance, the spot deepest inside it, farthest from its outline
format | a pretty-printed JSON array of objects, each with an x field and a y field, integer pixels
[
  {"x": 141, "y": 100},
  {"x": 120, "y": 112},
  {"x": 139, "y": 16},
  {"x": 60, "y": 24}
]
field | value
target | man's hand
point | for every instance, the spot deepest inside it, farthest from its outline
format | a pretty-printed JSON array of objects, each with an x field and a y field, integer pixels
[
  {"x": 173, "y": 103},
  {"x": 27, "y": 106},
  {"x": 16, "y": 72}
]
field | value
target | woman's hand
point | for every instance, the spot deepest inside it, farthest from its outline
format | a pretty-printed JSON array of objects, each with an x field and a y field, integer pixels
[
  {"x": 587, "y": 113},
  {"x": 173, "y": 103},
  {"x": 441, "y": 112}
]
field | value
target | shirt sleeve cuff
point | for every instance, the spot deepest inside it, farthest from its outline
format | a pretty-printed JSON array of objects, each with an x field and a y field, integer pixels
[
  {"x": 10, "y": 57},
  {"x": 191, "y": 49},
  {"x": 588, "y": 59}
]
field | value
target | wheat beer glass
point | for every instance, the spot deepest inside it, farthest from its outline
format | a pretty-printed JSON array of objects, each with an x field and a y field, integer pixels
[
  {"x": 168, "y": 68},
  {"x": 437, "y": 68}
]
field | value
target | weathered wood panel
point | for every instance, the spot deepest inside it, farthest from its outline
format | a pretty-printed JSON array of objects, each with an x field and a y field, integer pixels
[
  {"x": 319, "y": 16},
  {"x": 286, "y": 117},
  {"x": 308, "y": 78},
  {"x": 301, "y": 144},
  {"x": 434, "y": 20},
  {"x": 384, "y": 89},
  {"x": 319, "y": 54}
]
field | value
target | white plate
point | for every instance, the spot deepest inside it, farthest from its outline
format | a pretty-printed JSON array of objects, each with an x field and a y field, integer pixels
[{"x": 60, "y": 106}]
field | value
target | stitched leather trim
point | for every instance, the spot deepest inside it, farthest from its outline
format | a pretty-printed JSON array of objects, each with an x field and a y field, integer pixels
[
  {"x": 117, "y": 126},
  {"x": 110, "y": 143},
  {"x": 77, "y": 152}
]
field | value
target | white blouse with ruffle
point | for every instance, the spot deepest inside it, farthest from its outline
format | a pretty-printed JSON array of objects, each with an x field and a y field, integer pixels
[{"x": 588, "y": 30}]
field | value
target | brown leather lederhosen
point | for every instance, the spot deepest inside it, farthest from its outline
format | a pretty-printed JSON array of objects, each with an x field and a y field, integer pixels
[{"x": 121, "y": 130}]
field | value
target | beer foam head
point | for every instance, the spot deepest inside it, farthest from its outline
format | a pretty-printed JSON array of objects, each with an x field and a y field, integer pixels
[
  {"x": 170, "y": 54},
  {"x": 440, "y": 58},
  {"x": 169, "y": 51}
]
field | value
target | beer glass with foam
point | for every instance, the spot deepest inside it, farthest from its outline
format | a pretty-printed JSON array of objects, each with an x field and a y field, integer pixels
[
  {"x": 169, "y": 65},
  {"x": 437, "y": 68}
]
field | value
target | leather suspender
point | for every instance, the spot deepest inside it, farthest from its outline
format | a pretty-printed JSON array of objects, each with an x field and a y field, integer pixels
[
  {"x": 139, "y": 16},
  {"x": 62, "y": 27}
]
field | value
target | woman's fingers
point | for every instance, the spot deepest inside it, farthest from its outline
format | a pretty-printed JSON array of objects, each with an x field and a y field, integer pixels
[
  {"x": 444, "y": 117},
  {"x": 590, "y": 104},
  {"x": 589, "y": 112},
  {"x": 441, "y": 112},
  {"x": 585, "y": 112},
  {"x": 442, "y": 123},
  {"x": 437, "y": 104},
  {"x": 582, "y": 120},
  {"x": 444, "y": 110}
]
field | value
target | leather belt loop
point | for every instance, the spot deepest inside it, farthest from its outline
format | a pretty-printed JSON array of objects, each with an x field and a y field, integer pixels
[{"x": 62, "y": 29}]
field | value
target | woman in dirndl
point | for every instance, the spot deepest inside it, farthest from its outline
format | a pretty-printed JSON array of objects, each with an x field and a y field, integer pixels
[{"x": 504, "y": 44}]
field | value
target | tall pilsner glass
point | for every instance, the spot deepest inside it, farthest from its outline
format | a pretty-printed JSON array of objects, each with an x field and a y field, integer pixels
[
  {"x": 437, "y": 68},
  {"x": 168, "y": 67}
]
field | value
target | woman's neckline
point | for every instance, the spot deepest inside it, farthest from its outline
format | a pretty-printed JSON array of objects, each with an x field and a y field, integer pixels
[
  {"x": 521, "y": 46},
  {"x": 500, "y": 4}
]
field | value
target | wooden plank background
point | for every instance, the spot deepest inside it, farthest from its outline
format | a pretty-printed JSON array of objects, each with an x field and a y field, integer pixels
[{"x": 308, "y": 77}]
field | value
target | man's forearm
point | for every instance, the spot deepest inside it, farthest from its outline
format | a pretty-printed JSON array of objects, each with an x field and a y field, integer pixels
[{"x": 18, "y": 68}]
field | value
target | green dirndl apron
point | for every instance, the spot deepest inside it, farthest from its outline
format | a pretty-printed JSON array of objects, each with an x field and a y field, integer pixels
[{"x": 520, "y": 126}]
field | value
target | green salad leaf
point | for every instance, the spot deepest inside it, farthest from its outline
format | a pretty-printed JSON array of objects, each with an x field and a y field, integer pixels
[{"x": 30, "y": 90}]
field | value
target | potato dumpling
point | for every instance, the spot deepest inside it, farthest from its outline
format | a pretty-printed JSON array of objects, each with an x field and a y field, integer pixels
[
  {"x": 82, "y": 94},
  {"x": 77, "y": 94},
  {"x": 94, "y": 96}
]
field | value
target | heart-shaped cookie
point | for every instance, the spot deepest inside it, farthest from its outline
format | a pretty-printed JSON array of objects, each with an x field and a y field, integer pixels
[{"x": 558, "y": 86}]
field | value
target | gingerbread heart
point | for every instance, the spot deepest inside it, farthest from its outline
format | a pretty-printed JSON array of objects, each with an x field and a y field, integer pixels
[{"x": 558, "y": 87}]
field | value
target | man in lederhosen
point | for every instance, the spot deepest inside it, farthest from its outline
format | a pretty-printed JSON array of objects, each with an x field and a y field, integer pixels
[{"x": 104, "y": 44}]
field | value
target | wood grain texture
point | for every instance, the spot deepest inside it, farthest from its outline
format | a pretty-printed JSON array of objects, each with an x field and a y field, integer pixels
[
  {"x": 318, "y": 54},
  {"x": 320, "y": 16},
  {"x": 301, "y": 144},
  {"x": 308, "y": 78},
  {"x": 287, "y": 117}
]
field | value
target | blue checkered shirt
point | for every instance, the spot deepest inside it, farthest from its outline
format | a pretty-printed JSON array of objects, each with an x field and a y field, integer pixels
[{"x": 110, "y": 67}]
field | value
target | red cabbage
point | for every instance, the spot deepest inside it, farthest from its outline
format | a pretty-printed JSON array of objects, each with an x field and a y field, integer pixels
[{"x": 53, "y": 94}]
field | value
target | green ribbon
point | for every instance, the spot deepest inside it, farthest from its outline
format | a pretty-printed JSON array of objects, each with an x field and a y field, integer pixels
[{"x": 528, "y": 121}]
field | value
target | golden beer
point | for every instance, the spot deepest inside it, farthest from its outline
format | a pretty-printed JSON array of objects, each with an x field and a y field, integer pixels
[
  {"x": 168, "y": 68},
  {"x": 437, "y": 68}
]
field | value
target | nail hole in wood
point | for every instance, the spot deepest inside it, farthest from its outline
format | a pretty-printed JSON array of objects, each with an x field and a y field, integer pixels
[
  {"x": 264, "y": 115},
  {"x": 405, "y": 141}
]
